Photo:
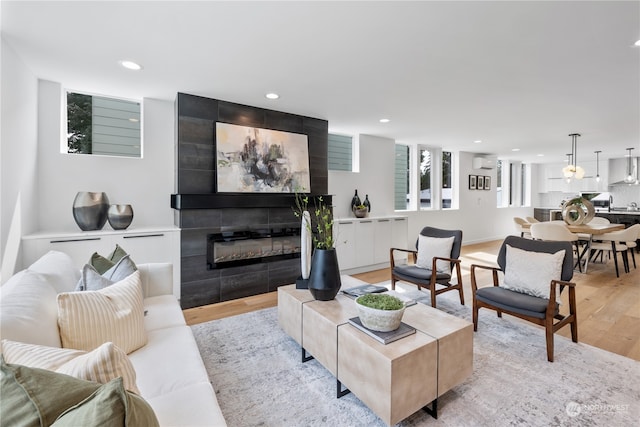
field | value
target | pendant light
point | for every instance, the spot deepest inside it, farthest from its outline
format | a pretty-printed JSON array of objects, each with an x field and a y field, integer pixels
[
  {"x": 572, "y": 169},
  {"x": 598, "y": 165},
  {"x": 629, "y": 179}
]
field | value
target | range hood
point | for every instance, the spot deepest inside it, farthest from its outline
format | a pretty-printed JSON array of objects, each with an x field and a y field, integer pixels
[{"x": 618, "y": 171}]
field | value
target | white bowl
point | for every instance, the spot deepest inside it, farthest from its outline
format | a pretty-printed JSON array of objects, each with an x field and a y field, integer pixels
[{"x": 379, "y": 320}]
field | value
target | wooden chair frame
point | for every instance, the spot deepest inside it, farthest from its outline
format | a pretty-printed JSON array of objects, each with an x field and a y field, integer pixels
[
  {"x": 547, "y": 322},
  {"x": 448, "y": 286}
]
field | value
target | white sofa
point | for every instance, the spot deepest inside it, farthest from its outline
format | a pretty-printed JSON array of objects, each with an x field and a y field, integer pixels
[{"x": 170, "y": 373}]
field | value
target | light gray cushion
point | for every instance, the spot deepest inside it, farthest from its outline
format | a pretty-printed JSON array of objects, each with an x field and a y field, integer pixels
[
  {"x": 513, "y": 301},
  {"x": 92, "y": 280}
]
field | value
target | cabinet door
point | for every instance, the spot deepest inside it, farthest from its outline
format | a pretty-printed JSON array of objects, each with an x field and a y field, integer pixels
[
  {"x": 344, "y": 235},
  {"x": 365, "y": 242},
  {"x": 399, "y": 231},
  {"x": 78, "y": 248},
  {"x": 383, "y": 239}
]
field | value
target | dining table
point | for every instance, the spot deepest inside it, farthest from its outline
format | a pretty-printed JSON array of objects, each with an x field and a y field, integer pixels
[{"x": 590, "y": 230}]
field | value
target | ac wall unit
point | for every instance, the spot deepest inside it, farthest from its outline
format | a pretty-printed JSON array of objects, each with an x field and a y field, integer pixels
[{"x": 483, "y": 163}]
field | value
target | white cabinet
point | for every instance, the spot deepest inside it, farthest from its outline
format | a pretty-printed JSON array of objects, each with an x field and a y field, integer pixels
[
  {"x": 344, "y": 233},
  {"x": 145, "y": 245},
  {"x": 363, "y": 244},
  {"x": 399, "y": 238},
  {"x": 384, "y": 240}
]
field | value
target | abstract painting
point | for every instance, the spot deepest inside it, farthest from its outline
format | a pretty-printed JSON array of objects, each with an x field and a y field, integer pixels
[{"x": 254, "y": 160}]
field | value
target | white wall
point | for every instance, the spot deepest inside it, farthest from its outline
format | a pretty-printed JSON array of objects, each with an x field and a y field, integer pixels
[
  {"x": 375, "y": 178},
  {"x": 18, "y": 150},
  {"x": 145, "y": 183},
  {"x": 477, "y": 215}
]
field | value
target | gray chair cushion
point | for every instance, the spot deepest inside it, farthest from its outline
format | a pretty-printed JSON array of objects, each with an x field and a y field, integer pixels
[
  {"x": 418, "y": 275},
  {"x": 514, "y": 301}
]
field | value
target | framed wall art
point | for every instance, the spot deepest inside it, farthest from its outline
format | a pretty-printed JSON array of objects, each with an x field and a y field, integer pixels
[
  {"x": 255, "y": 160},
  {"x": 472, "y": 182},
  {"x": 487, "y": 183},
  {"x": 480, "y": 183}
]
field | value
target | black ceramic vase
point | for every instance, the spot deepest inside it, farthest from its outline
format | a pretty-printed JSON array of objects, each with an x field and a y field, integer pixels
[
  {"x": 90, "y": 210},
  {"x": 324, "y": 280}
]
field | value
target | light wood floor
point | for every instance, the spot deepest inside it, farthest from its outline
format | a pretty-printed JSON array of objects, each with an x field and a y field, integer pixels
[{"x": 608, "y": 307}]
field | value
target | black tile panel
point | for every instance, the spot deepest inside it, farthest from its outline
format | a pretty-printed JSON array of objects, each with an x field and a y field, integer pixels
[
  {"x": 201, "y": 292},
  {"x": 197, "y": 106}
]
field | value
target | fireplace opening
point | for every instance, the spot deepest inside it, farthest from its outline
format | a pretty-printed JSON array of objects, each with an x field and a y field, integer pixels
[{"x": 245, "y": 247}]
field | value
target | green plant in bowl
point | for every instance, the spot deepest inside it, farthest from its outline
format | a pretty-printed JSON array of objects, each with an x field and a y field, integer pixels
[{"x": 380, "y": 312}]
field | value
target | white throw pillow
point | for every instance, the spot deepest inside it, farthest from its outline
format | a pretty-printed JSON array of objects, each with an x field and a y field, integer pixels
[
  {"x": 430, "y": 247},
  {"x": 100, "y": 365},
  {"x": 28, "y": 310},
  {"x": 531, "y": 272},
  {"x": 92, "y": 280},
  {"x": 88, "y": 319},
  {"x": 59, "y": 269}
]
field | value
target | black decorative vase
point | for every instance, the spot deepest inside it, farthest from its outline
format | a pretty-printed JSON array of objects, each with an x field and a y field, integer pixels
[
  {"x": 324, "y": 281},
  {"x": 355, "y": 201},
  {"x": 90, "y": 210}
]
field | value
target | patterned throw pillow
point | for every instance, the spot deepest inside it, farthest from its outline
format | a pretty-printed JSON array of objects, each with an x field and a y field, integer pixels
[
  {"x": 116, "y": 313},
  {"x": 100, "y": 365}
]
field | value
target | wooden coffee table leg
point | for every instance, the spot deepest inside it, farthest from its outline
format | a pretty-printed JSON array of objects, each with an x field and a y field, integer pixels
[
  {"x": 339, "y": 391},
  {"x": 433, "y": 411}
]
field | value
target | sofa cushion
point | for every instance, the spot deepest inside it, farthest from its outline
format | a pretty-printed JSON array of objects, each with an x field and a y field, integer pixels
[
  {"x": 34, "y": 397},
  {"x": 162, "y": 311},
  {"x": 59, "y": 270},
  {"x": 169, "y": 361},
  {"x": 184, "y": 407},
  {"x": 28, "y": 310},
  {"x": 116, "y": 313},
  {"x": 100, "y": 365}
]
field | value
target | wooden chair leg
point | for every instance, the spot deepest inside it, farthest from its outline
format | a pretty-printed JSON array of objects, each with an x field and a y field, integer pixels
[
  {"x": 475, "y": 316},
  {"x": 461, "y": 294},
  {"x": 393, "y": 283},
  {"x": 432, "y": 290},
  {"x": 549, "y": 335}
]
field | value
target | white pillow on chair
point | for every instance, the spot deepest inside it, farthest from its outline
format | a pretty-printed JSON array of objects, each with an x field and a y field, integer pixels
[
  {"x": 430, "y": 247},
  {"x": 531, "y": 272}
]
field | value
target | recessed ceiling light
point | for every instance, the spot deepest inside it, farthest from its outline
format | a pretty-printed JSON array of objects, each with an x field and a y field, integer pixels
[
  {"x": 130, "y": 65},
  {"x": 515, "y": 149},
  {"x": 637, "y": 43},
  {"x": 384, "y": 120},
  {"x": 477, "y": 141},
  {"x": 540, "y": 155},
  {"x": 272, "y": 95}
]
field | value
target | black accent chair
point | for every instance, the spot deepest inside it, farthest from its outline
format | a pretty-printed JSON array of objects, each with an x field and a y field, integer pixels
[
  {"x": 540, "y": 311},
  {"x": 423, "y": 277}
]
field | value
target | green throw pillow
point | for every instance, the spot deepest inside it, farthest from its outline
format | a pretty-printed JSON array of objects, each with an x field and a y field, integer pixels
[
  {"x": 110, "y": 405},
  {"x": 37, "y": 397},
  {"x": 93, "y": 280},
  {"x": 102, "y": 264}
]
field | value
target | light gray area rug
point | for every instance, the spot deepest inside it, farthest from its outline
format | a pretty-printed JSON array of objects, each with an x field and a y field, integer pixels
[{"x": 256, "y": 371}]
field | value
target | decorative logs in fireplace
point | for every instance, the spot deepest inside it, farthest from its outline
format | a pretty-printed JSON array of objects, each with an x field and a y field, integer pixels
[{"x": 245, "y": 247}]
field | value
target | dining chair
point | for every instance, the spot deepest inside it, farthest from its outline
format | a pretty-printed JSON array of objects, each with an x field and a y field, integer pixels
[
  {"x": 436, "y": 256},
  {"x": 531, "y": 220},
  {"x": 532, "y": 297},
  {"x": 519, "y": 222},
  {"x": 596, "y": 220},
  {"x": 558, "y": 232},
  {"x": 616, "y": 242}
]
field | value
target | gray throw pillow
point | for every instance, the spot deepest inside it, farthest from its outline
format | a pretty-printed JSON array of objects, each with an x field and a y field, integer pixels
[{"x": 92, "y": 280}]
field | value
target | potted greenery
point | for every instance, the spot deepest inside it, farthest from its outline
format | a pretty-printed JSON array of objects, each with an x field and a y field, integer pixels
[
  {"x": 380, "y": 312},
  {"x": 324, "y": 278}
]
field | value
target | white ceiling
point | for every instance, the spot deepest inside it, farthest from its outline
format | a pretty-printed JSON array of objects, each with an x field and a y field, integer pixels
[{"x": 512, "y": 74}]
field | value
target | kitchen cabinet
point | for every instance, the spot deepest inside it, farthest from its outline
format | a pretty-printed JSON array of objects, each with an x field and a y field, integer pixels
[
  {"x": 145, "y": 245},
  {"x": 362, "y": 244}
]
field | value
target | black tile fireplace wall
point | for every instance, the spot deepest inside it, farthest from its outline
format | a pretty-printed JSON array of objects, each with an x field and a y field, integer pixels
[{"x": 200, "y": 211}]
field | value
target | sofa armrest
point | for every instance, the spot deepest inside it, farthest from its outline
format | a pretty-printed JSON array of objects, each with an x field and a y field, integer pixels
[{"x": 157, "y": 279}]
